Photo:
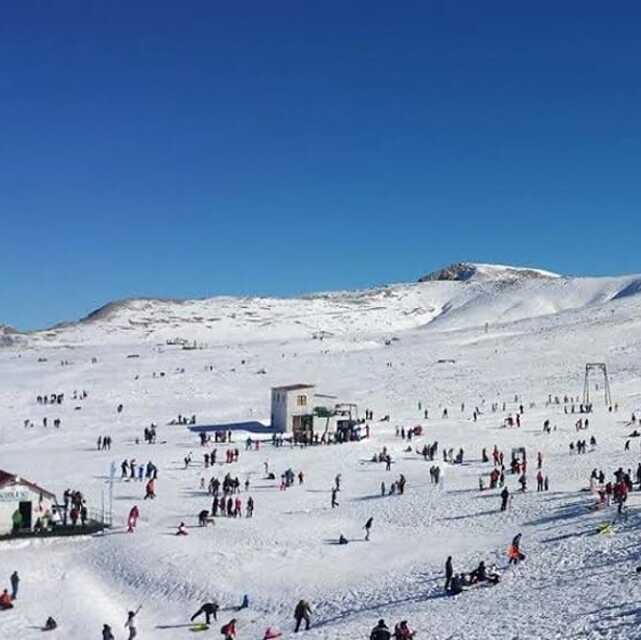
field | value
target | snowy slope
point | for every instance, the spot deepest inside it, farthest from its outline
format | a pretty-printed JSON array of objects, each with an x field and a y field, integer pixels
[
  {"x": 493, "y": 294},
  {"x": 575, "y": 583}
]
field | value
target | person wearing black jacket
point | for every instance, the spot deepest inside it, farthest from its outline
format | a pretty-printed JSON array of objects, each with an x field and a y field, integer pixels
[
  {"x": 209, "y": 609},
  {"x": 505, "y": 496},
  {"x": 449, "y": 572},
  {"x": 368, "y": 527},
  {"x": 380, "y": 632},
  {"x": 302, "y": 612}
]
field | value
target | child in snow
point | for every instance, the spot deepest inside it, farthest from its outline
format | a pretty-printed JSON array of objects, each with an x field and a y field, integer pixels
[{"x": 182, "y": 530}]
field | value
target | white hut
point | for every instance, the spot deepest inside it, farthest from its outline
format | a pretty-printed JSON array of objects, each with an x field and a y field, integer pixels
[
  {"x": 22, "y": 503},
  {"x": 293, "y": 410}
]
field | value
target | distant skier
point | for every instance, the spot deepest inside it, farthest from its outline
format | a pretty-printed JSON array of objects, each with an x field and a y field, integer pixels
[{"x": 106, "y": 632}]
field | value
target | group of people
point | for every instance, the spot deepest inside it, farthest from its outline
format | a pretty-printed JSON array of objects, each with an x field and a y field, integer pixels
[
  {"x": 130, "y": 470},
  {"x": 29, "y": 424},
  {"x": 401, "y": 631},
  {"x": 229, "y": 507},
  {"x": 455, "y": 582},
  {"x": 395, "y": 487},
  {"x": 581, "y": 446},
  {"x": 383, "y": 456},
  {"x": 53, "y": 398},
  {"x": 182, "y": 420},
  {"x": 149, "y": 434},
  {"x": 74, "y": 508},
  {"x": 103, "y": 443}
]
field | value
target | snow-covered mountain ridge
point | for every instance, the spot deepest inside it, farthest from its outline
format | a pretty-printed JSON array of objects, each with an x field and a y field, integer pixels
[
  {"x": 461, "y": 296},
  {"x": 465, "y": 271}
]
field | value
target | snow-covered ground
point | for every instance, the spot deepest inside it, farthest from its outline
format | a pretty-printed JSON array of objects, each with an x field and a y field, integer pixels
[{"x": 575, "y": 582}]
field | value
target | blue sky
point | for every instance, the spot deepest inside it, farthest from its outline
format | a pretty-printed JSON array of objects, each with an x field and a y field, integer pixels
[{"x": 191, "y": 149}]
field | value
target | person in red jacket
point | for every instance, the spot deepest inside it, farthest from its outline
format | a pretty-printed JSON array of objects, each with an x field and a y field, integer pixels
[
  {"x": 229, "y": 630},
  {"x": 620, "y": 495},
  {"x": 134, "y": 514},
  {"x": 5, "y": 600},
  {"x": 150, "y": 490}
]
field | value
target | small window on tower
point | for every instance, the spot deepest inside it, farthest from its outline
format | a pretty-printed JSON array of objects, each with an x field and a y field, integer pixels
[{"x": 301, "y": 401}]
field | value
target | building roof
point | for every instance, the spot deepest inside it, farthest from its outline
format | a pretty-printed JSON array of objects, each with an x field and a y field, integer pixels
[
  {"x": 293, "y": 387},
  {"x": 9, "y": 479}
]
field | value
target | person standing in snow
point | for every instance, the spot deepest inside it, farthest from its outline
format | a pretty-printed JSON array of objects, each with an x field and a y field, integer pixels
[
  {"x": 15, "y": 583},
  {"x": 514, "y": 551},
  {"x": 380, "y": 631},
  {"x": 334, "y": 501},
  {"x": 131, "y": 623},
  {"x": 505, "y": 496},
  {"x": 302, "y": 612},
  {"x": 132, "y": 520},
  {"x": 449, "y": 573},
  {"x": 150, "y": 490},
  {"x": 539, "y": 481},
  {"x": 368, "y": 527},
  {"x": 106, "y": 632}
]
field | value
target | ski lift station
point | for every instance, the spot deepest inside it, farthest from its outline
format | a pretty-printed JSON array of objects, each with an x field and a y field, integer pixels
[
  {"x": 22, "y": 504},
  {"x": 294, "y": 411}
]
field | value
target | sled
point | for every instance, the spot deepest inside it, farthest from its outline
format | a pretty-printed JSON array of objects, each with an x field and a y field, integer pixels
[
  {"x": 199, "y": 627},
  {"x": 605, "y": 528}
]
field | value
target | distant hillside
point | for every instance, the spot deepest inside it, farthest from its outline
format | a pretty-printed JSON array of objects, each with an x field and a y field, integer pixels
[{"x": 461, "y": 296}]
